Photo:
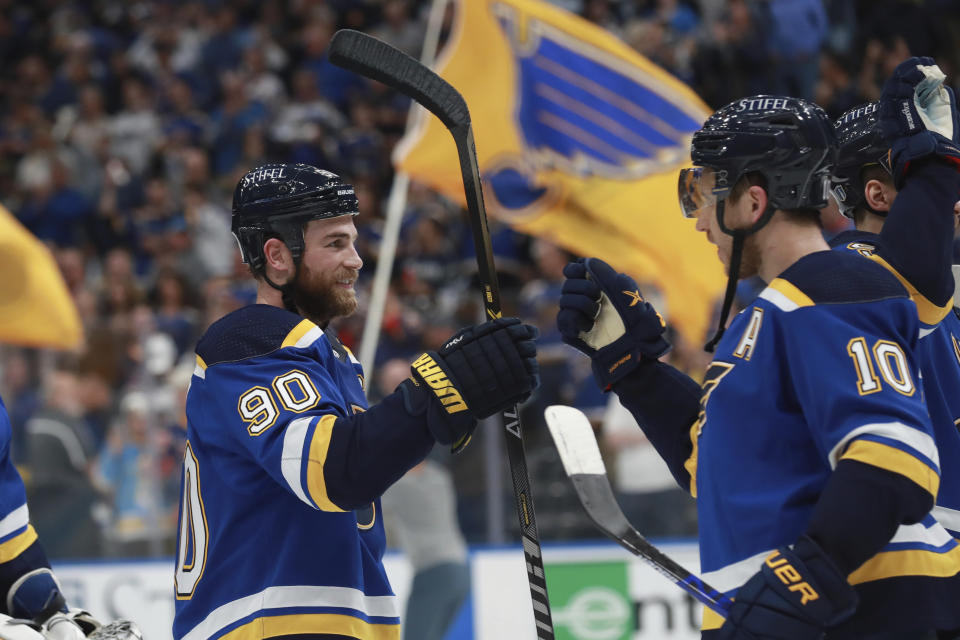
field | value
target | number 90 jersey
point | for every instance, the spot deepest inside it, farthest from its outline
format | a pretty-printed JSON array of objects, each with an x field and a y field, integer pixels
[{"x": 263, "y": 549}]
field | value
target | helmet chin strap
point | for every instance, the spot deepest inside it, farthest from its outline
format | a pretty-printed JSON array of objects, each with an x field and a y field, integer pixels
[{"x": 736, "y": 255}]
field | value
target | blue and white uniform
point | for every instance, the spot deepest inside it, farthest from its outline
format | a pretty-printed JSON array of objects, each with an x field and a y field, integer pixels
[
  {"x": 816, "y": 377},
  {"x": 280, "y": 523}
]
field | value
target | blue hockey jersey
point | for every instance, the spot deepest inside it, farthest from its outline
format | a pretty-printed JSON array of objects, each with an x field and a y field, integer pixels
[
  {"x": 17, "y": 535},
  {"x": 274, "y": 538},
  {"x": 938, "y": 356},
  {"x": 815, "y": 371}
]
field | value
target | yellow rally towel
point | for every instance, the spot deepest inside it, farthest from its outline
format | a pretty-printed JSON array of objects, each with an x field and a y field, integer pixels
[
  {"x": 579, "y": 140},
  {"x": 36, "y": 309}
]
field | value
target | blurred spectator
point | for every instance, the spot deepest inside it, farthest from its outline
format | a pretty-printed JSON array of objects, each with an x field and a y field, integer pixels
[
  {"x": 135, "y": 130},
  {"x": 797, "y": 31},
  {"x": 59, "y": 454},
  {"x": 128, "y": 467},
  {"x": 400, "y": 29},
  {"x": 421, "y": 511},
  {"x": 302, "y": 126}
]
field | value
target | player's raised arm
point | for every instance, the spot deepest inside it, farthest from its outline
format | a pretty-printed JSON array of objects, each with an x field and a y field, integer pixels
[{"x": 918, "y": 117}]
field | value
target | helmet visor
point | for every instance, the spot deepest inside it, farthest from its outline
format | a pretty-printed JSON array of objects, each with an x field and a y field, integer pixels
[{"x": 695, "y": 190}]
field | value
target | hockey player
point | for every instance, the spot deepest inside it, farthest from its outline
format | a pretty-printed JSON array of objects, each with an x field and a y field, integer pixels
[
  {"x": 280, "y": 523},
  {"x": 917, "y": 241},
  {"x": 808, "y": 447},
  {"x": 28, "y": 587}
]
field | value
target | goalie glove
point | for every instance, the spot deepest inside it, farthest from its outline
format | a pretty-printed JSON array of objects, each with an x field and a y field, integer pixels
[
  {"x": 19, "y": 629},
  {"x": 918, "y": 115},
  {"x": 603, "y": 315},
  {"x": 36, "y": 596},
  {"x": 480, "y": 371}
]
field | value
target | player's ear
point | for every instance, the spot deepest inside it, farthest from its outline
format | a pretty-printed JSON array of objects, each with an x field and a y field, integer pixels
[
  {"x": 278, "y": 261},
  {"x": 757, "y": 196},
  {"x": 878, "y": 195}
]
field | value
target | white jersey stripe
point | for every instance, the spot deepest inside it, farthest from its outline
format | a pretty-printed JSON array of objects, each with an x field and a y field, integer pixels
[
  {"x": 950, "y": 518},
  {"x": 778, "y": 300},
  {"x": 291, "y": 460},
  {"x": 734, "y": 575},
  {"x": 308, "y": 338},
  {"x": 293, "y": 596},
  {"x": 16, "y": 519},
  {"x": 895, "y": 431}
]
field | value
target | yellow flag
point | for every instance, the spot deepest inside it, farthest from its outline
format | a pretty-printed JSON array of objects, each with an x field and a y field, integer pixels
[
  {"x": 579, "y": 139},
  {"x": 36, "y": 309}
]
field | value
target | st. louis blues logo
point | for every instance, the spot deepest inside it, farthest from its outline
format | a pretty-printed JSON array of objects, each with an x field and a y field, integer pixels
[{"x": 582, "y": 111}]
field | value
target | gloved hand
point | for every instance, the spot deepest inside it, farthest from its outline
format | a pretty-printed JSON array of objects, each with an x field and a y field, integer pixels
[
  {"x": 75, "y": 624},
  {"x": 603, "y": 315},
  {"x": 797, "y": 595},
  {"x": 918, "y": 115},
  {"x": 19, "y": 629},
  {"x": 480, "y": 371},
  {"x": 35, "y": 596}
]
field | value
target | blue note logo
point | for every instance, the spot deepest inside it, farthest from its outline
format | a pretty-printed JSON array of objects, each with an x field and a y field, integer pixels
[{"x": 584, "y": 112}]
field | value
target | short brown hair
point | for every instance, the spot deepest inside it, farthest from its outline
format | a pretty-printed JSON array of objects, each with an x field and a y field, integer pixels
[{"x": 757, "y": 179}]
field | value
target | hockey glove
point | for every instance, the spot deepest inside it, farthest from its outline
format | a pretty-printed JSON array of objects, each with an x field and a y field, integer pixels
[
  {"x": 797, "y": 595},
  {"x": 480, "y": 371},
  {"x": 72, "y": 625},
  {"x": 918, "y": 114},
  {"x": 35, "y": 596},
  {"x": 603, "y": 315}
]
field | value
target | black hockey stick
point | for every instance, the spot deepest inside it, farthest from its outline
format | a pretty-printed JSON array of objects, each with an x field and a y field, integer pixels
[
  {"x": 375, "y": 59},
  {"x": 577, "y": 445}
]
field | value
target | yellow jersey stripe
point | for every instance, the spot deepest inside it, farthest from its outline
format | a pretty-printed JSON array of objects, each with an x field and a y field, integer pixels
[
  {"x": 791, "y": 292},
  {"x": 319, "y": 445},
  {"x": 895, "y": 460},
  {"x": 691, "y": 463},
  {"x": 711, "y": 620},
  {"x": 313, "y": 623},
  {"x": 908, "y": 562},
  {"x": 17, "y": 544},
  {"x": 296, "y": 333},
  {"x": 928, "y": 312},
  {"x": 201, "y": 363}
]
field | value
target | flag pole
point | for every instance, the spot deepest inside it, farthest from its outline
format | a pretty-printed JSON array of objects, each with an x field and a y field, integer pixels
[{"x": 396, "y": 203}]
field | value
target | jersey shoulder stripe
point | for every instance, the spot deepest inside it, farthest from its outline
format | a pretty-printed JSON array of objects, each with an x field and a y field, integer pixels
[
  {"x": 930, "y": 313},
  {"x": 838, "y": 277},
  {"x": 253, "y": 331}
]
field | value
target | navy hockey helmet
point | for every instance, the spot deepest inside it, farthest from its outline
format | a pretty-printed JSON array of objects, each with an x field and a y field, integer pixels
[
  {"x": 276, "y": 200},
  {"x": 861, "y": 145},
  {"x": 790, "y": 141}
]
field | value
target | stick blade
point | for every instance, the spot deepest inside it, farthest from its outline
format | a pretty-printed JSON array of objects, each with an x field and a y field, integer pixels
[
  {"x": 373, "y": 58},
  {"x": 573, "y": 436}
]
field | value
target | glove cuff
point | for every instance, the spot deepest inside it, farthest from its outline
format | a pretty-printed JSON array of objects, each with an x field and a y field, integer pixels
[
  {"x": 446, "y": 428},
  {"x": 35, "y": 595},
  {"x": 620, "y": 358},
  {"x": 910, "y": 149}
]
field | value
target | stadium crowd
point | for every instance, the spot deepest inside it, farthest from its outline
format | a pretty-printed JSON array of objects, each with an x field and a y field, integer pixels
[{"x": 125, "y": 126}]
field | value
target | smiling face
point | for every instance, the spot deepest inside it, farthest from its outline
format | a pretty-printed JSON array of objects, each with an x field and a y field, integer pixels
[{"x": 324, "y": 289}]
